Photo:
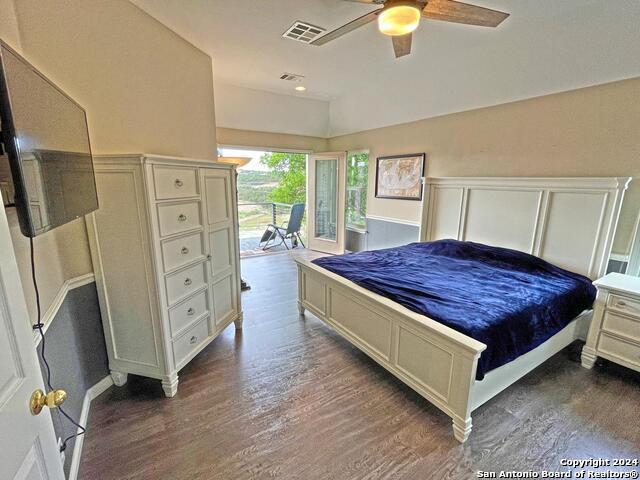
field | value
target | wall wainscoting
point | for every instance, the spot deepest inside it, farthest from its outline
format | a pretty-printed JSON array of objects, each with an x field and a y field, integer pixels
[
  {"x": 386, "y": 232},
  {"x": 50, "y": 313},
  {"x": 355, "y": 240},
  {"x": 76, "y": 352},
  {"x": 618, "y": 263}
]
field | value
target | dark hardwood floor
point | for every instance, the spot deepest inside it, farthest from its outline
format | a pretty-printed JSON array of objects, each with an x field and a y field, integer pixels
[{"x": 288, "y": 398}]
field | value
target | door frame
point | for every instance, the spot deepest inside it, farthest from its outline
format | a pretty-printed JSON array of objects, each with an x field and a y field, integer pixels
[
  {"x": 335, "y": 247},
  {"x": 253, "y": 148}
]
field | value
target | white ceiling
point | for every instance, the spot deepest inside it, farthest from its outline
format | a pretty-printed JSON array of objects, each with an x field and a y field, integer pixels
[{"x": 545, "y": 46}]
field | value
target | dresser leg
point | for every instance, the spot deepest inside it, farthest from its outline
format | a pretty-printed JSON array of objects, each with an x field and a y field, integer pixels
[
  {"x": 461, "y": 429},
  {"x": 119, "y": 378},
  {"x": 301, "y": 308},
  {"x": 588, "y": 357},
  {"x": 238, "y": 321},
  {"x": 170, "y": 385}
]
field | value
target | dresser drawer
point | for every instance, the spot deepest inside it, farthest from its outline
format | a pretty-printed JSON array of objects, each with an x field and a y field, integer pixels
[
  {"x": 627, "y": 351},
  {"x": 180, "y": 251},
  {"x": 186, "y": 312},
  {"x": 627, "y": 327},
  {"x": 184, "y": 282},
  {"x": 175, "y": 182},
  {"x": 623, "y": 305},
  {"x": 187, "y": 343},
  {"x": 176, "y": 218}
]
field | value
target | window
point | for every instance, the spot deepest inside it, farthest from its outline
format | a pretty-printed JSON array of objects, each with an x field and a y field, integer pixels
[{"x": 357, "y": 181}]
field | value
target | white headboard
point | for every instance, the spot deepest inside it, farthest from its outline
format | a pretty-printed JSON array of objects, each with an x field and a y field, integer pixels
[{"x": 569, "y": 222}]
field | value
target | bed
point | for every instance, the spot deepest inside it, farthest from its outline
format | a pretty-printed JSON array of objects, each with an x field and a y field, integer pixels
[{"x": 568, "y": 222}]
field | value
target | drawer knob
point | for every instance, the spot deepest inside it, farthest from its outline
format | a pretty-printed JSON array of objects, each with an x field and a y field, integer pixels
[
  {"x": 193, "y": 340},
  {"x": 182, "y": 217},
  {"x": 178, "y": 183},
  {"x": 187, "y": 282},
  {"x": 621, "y": 303},
  {"x": 191, "y": 311},
  {"x": 184, "y": 250}
]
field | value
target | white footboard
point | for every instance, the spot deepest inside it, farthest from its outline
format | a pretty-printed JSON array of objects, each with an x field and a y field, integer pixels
[{"x": 436, "y": 361}]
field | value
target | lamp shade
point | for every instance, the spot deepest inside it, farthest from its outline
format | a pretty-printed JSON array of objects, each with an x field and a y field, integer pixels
[{"x": 238, "y": 161}]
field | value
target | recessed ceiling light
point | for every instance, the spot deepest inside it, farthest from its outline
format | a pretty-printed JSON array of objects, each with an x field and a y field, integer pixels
[{"x": 300, "y": 88}]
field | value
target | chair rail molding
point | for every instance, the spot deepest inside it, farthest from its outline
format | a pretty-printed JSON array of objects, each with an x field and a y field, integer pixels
[
  {"x": 394, "y": 220},
  {"x": 51, "y": 312}
]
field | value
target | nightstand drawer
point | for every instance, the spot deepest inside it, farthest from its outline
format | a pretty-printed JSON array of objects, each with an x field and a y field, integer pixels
[
  {"x": 623, "y": 305},
  {"x": 627, "y": 327},
  {"x": 619, "y": 349}
]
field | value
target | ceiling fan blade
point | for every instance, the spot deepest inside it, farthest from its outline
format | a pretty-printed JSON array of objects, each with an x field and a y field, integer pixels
[
  {"x": 458, "y": 12},
  {"x": 370, "y": 2},
  {"x": 349, "y": 27},
  {"x": 402, "y": 45}
]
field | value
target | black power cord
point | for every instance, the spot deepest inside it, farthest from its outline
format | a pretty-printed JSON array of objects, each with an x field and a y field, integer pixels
[{"x": 39, "y": 326}]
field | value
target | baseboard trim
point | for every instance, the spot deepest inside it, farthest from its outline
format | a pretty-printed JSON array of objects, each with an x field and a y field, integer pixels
[
  {"x": 89, "y": 396},
  {"x": 51, "y": 312}
]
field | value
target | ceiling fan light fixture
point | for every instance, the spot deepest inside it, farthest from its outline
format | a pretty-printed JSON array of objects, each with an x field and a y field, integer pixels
[{"x": 399, "y": 18}]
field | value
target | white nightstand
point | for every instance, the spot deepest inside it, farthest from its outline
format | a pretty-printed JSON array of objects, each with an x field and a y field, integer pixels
[{"x": 614, "y": 333}]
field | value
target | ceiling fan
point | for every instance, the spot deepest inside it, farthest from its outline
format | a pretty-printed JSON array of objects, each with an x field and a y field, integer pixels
[{"x": 398, "y": 18}]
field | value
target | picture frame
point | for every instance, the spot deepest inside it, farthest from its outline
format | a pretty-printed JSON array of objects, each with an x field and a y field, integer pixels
[{"x": 400, "y": 177}]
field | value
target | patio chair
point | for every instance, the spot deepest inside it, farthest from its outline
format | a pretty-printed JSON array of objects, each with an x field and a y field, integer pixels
[{"x": 289, "y": 230}]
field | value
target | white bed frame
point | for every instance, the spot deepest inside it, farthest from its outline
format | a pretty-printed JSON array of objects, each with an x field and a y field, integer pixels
[{"x": 570, "y": 222}]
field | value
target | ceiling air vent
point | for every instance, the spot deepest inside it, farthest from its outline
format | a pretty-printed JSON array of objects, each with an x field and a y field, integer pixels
[
  {"x": 291, "y": 77},
  {"x": 303, "y": 32}
]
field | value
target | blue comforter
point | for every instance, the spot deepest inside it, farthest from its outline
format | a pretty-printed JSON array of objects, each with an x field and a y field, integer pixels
[{"x": 508, "y": 300}]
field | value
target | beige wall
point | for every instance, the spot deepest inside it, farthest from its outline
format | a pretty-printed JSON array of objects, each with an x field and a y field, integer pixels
[
  {"x": 9, "y": 24},
  {"x": 258, "y": 110},
  {"x": 145, "y": 89},
  {"x": 269, "y": 141},
  {"x": 588, "y": 132}
]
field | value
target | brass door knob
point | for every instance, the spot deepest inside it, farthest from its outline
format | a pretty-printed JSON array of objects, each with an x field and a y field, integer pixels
[{"x": 39, "y": 400}]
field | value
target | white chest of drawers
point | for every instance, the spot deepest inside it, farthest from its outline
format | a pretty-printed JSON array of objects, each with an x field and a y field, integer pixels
[
  {"x": 164, "y": 245},
  {"x": 614, "y": 333}
]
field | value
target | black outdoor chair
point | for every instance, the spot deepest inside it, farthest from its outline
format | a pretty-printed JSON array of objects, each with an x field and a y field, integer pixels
[{"x": 289, "y": 230}]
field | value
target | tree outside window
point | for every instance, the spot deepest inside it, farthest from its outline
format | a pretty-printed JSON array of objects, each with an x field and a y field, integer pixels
[
  {"x": 357, "y": 181},
  {"x": 291, "y": 172}
]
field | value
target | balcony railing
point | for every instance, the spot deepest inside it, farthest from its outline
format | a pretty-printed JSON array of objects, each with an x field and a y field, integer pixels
[{"x": 254, "y": 219}]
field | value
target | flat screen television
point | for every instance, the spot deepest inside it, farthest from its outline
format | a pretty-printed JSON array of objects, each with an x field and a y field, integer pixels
[{"x": 46, "y": 140}]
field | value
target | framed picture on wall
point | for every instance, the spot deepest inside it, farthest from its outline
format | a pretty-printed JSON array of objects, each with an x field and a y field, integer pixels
[{"x": 400, "y": 176}]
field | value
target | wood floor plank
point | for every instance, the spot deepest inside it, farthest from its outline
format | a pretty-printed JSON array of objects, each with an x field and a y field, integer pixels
[{"x": 288, "y": 398}]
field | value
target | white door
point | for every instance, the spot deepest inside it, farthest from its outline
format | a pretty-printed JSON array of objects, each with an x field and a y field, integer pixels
[
  {"x": 218, "y": 187},
  {"x": 28, "y": 447},
  {"x": 326, "y": 176}
]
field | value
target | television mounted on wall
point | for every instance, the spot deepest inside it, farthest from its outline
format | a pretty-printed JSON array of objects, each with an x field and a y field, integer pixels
[{"x": 46, "y": 141}]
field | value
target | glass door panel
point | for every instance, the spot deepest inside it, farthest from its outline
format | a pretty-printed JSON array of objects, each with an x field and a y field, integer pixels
[
  {"x": 326, "y": 204},
  {"x": 326, "y": 196}
]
